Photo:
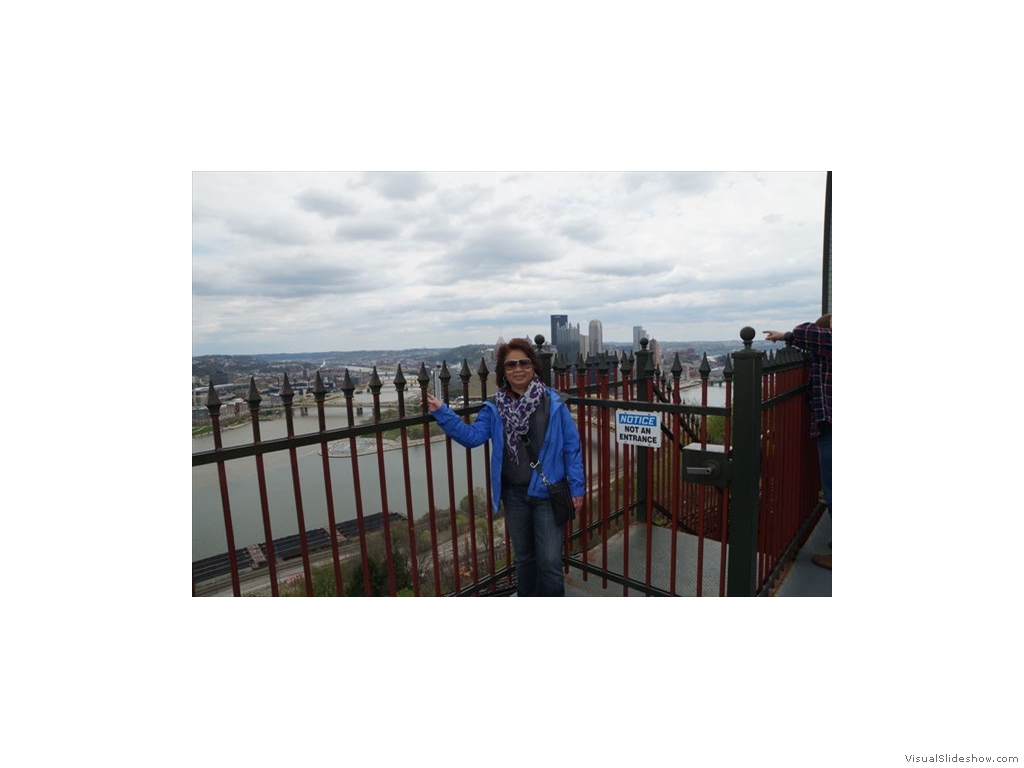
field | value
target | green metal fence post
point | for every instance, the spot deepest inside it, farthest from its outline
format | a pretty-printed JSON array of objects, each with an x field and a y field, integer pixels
[
  {"x": 545, "y": 358},
  {"x": 826, "y": 269},
  {"x": 746, "y": 468}
]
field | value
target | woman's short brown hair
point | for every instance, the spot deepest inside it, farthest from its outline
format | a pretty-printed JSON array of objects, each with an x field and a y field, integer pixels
[{"x": 522, "y": 345}]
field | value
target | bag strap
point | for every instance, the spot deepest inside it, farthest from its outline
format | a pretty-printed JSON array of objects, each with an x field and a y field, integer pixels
[{"x": 535, "y": 461}]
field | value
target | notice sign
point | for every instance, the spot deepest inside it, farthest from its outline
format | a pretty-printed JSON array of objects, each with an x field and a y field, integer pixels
[{"x": 638, "y": 428}]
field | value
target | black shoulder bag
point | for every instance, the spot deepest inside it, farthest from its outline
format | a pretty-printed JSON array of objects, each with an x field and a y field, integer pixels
[{"x": 561, "y": 498}]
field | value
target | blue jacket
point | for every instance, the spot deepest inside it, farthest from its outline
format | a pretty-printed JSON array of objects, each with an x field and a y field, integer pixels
[{"x": 560, "y": 454}]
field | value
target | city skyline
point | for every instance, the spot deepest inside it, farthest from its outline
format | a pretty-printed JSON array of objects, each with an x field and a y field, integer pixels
[{"x": 287, "y": 262}]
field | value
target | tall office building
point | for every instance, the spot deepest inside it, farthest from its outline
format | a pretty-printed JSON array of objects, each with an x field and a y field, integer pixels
[
  {"x": 655, "y": 349},
  {"x": 567, "y": 340},
  {"x": 638, "y": 333},
  {"x": 557, "y": 321},
  {"x": 596, "y": 338}
]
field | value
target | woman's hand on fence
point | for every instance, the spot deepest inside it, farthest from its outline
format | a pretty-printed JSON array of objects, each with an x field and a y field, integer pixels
[{"x": 433, "y": 403}]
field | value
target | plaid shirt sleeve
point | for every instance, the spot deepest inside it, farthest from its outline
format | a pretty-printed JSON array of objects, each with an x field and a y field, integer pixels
[{"x": 818, "y": 341}]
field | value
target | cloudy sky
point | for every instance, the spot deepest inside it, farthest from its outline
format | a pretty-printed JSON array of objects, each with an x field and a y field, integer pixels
[{"x": 298, "y": 262}]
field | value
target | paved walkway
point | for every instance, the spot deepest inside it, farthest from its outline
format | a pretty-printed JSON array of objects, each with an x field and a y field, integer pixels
[{"x": 803, "y": 578}]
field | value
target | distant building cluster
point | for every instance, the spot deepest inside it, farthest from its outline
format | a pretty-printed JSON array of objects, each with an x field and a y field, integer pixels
[
  {"x": 232, "y": 376},
  {"x": 568, "y": 340},
  {"x": 571, "y": 342}
]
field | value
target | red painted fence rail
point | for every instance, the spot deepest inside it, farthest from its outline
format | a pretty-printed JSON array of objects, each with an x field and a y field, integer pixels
[{"x": 645, "y": 527}]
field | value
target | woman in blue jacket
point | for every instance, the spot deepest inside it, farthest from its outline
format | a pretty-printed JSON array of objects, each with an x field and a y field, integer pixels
[{"x": 522, "y": 415}]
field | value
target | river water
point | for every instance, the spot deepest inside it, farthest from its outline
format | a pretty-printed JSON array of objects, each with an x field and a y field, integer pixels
[{"x": 208, "y": 537}]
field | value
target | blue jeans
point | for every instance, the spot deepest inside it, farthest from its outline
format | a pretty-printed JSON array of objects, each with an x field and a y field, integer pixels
[
  {"x": 825, "y": 462},
  {"x": 536, "y": 543}
]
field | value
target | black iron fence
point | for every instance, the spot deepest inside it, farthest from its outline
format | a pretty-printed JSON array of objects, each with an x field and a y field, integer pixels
[{"x": 714, "y": 504}]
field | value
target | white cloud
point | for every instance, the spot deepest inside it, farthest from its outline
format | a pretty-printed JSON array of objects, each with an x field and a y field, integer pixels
[
  {"x": 397, "y": 185},
  {"x": 305, "y": 262},
  {"x": 327, "y": 204}
]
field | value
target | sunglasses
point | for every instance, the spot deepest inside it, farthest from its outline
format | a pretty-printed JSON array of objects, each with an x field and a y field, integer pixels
[{"x": 511, "y": 365}]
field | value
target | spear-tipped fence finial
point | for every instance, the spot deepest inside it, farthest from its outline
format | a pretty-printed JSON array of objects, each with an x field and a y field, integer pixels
[{"x": 253, "y": 398}]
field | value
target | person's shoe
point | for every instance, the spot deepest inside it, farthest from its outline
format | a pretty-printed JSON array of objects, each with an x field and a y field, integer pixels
[{"x": 823, "y": 561}]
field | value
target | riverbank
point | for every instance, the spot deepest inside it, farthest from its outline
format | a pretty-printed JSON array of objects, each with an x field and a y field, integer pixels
[{"x": 343, "y": 448}]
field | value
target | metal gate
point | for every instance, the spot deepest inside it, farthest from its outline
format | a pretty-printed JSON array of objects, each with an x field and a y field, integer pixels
[{"x": 722, "y": 501}]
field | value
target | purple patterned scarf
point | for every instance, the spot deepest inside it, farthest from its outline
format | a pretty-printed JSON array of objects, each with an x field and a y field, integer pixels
[{"x": 516, "y": 412}]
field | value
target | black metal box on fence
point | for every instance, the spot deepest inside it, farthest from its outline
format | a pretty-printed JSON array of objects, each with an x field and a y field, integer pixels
[{"x": 709, "y": 466}]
